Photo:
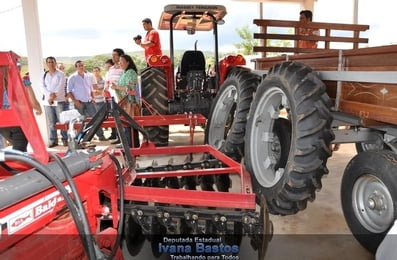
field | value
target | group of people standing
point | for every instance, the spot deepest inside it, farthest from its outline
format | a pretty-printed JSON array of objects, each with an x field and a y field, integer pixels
[
  {"x": 81, "y": 88},
  {"x": 86, "y": 91}
]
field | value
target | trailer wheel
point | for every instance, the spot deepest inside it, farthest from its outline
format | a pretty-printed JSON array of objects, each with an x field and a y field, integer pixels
[
  {"x": 376, "y": 145},
  {"x": 369, "y": 196},
  {"x": 225, "y": 128},
  {"x": 154, "y": 91},
  {"x": 290, "y": 91}
]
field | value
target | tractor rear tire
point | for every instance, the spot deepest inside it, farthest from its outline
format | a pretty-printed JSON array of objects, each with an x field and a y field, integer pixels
[
  {"x": 369, "y": 196},
  {"x": 225, "y": 128},
  {"x": 290, "y": 91},
  {"x": 154, "y": 91}
]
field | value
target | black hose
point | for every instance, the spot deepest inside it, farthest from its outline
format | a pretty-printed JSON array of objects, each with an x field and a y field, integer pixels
[
  {"x": 77, "y": 199},
  {"x": 121, "y": 220},
  {"x": 46, "y": 172}
]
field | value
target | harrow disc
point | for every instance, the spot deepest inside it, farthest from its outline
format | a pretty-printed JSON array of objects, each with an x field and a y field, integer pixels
[{"x": 267, "y": 231}]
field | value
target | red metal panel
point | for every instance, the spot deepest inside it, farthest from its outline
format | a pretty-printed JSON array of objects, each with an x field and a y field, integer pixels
[
  {"x": 21, "y": 112},
  {"x": 243, "y": 199},
  {"x": 153, "y": 120},
  {"x": 34, "y": 218},
  {"x": 191, "y": 197}
]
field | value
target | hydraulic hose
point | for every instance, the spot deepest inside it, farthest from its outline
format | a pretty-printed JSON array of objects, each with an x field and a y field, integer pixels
[
  {"x": 45, "y": 171},
  {"x": 121, "y": 220},
  {"x": 78, "y": 202}
]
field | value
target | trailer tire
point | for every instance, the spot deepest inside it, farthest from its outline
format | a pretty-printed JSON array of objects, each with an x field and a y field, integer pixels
[
  {"x": 291, "y": 91},
  {"x": 227, "y": 119},
  {"x": 376, "y": 145},
  {"x": 369, "y": 196},
  {"x": 154, "y": 91}
]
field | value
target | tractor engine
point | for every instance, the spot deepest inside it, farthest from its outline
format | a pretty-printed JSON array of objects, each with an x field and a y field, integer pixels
[
  {"x": 196, "y": 81},
  {"x": 196, "y": 103},
  {"x": 192, "y": 94}
]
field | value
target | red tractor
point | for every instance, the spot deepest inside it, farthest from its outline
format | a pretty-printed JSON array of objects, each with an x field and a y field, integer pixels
[
  {"x": 190, "y": 87},
  {"x": 186, "y": 87}
]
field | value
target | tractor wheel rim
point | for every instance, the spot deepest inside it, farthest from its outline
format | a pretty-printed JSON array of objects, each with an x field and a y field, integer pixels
[
  {"x": 265, "y": 143},
  {"x": 372, "y": 203},
  {"x": 222, "y": 118}
]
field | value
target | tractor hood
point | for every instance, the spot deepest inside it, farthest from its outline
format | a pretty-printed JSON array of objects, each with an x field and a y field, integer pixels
[{"x": 191, "y": 17}]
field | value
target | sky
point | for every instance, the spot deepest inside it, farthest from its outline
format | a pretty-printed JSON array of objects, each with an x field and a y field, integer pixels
[{"x": 91, "y": 27}]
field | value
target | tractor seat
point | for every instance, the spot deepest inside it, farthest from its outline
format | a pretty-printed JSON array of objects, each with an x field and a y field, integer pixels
[{"x": 192, "y": 60}]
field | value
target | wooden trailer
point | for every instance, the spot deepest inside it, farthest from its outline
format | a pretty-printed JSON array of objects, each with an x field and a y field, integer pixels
[{"x": 357, "y": 86}]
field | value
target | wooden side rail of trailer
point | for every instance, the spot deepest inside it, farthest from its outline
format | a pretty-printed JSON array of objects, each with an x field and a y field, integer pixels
[
  {"x": 329, "y": 33},
  {"x": 360, "y": 81}
]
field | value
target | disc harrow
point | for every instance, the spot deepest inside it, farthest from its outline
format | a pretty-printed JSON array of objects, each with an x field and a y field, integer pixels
[{"x": 192, "y": 212}]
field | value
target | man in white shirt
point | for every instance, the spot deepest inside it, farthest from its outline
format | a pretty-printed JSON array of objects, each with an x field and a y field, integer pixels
[{"x": 54, "y": 99}]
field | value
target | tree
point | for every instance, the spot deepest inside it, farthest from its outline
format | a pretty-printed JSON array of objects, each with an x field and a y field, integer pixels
[
  {"x": 246, "y": 47},
  {"x": 279, "y": 43},
  {"x": 96, "y": 61}
]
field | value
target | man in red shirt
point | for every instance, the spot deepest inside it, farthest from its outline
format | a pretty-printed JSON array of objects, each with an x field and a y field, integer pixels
[{"x": 151, "y": 43}]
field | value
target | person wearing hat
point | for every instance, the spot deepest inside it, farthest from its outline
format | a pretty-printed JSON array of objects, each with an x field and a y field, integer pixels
[{"x": 151, "y": 43}]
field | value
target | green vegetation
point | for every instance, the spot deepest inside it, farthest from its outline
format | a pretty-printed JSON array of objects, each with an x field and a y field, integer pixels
[
  {"x": 246, "y": 46},
  {"x": 248, "y": 42}
]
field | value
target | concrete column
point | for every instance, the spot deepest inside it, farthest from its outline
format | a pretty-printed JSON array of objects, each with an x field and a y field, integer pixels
[
  {"x": 355, "y": 11},
  {"x": 35, "y": 56},
  {"x": 308, "y": 5}
]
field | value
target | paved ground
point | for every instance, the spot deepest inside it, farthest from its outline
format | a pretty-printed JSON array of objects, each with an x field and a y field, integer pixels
[{"x": 319, "y": 232}]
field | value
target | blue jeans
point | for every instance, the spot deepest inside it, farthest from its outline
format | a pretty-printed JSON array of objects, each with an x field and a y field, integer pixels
[
  {"x": 2, "y": 145},
  {"x": 52, "y": 116},
  {"x": 99, "y": 105},
  {"x": 88, "y": 110}
]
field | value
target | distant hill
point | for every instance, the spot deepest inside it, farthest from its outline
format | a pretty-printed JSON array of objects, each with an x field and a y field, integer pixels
[
  {"x": 99, "y": 59},
  {"x": 177, "y": 53}
]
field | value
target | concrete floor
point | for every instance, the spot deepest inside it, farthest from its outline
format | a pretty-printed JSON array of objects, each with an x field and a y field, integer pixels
[{"x": 317, "y": 233}]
